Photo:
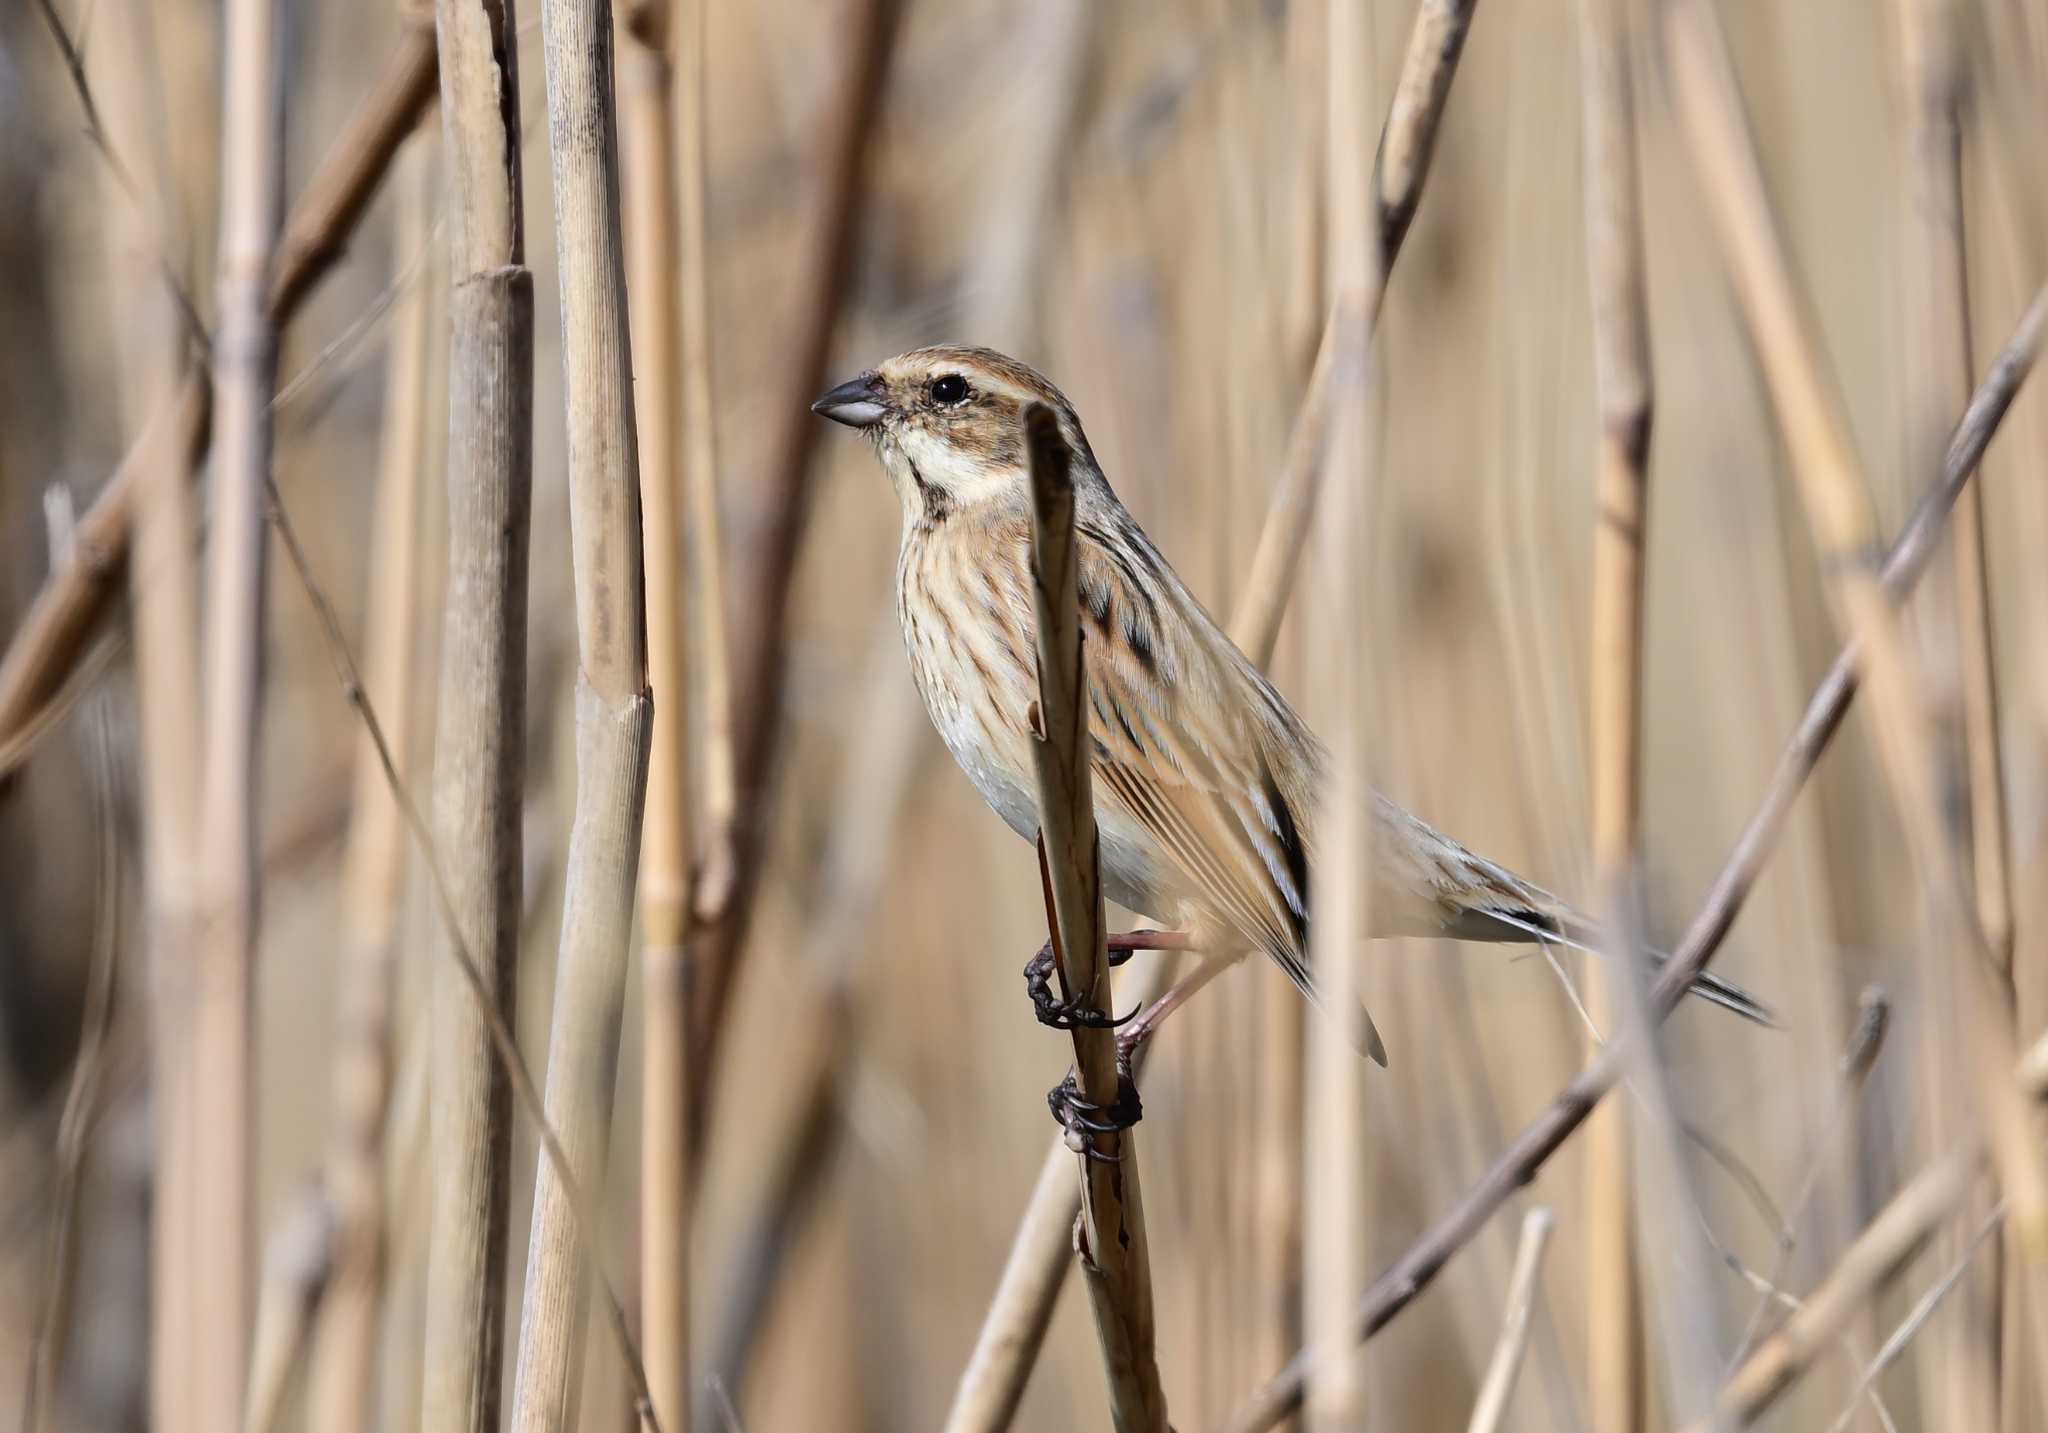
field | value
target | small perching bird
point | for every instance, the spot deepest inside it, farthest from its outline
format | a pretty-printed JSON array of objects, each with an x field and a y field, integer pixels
[{"x": 1205, "y": 780}]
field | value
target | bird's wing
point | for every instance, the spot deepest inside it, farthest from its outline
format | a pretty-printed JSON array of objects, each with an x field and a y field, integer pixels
[{"x": 1178, "y": 744}]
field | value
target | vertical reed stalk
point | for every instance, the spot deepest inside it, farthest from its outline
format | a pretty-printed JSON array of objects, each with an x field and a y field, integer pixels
[
  {"x": 223, "y": 961},
  {"x": 343, "y": 1365},
  {"x": 654, "y": 266},
  {"x": 613, "y": 711},
  {"x": 1959, "y": 1355},
  {"x": 1335, "y": 1192},
  {"x": 1621, "y": 362},
  {"x": 1110, "y": 1239},
  {"x": 479, "y": 745}
]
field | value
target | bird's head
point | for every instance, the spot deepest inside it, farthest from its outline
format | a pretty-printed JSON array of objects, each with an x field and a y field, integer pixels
[{"x": 948, "y": 424}]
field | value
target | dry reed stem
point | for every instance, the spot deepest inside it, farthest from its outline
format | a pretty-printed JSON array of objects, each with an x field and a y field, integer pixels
[
  {"x": 613, "y": 710},
  {"x": 1012, "y": 1330},
  {"x": 705, "y": 545},
  {"x": 1960, "y": 1358},
  {"x": 866, "y": 38},
  {"x": 341, "y": 1377},
  {"x": 1409, "y": 1275},
  {"x": 479, "y": 747},
  {"x": 73, "y": 604},
  {"x": 657, "y": 268},
  {"x": 1407, "y": 140},
  {"x": 892, "y": 743},
  {"x": 1110, "y": 1237},
  {"x": 221, "y": 1094},
  {"x": 1336, "y": 1191},
  {"x": 1839, "y": 511},
  {"x": 1615, "y": 1329},
  {"x": 1494, "y": 1389}
]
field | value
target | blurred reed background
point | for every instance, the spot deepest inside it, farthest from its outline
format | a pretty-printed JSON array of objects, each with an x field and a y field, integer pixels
[{"x": 1150, "y": 204}]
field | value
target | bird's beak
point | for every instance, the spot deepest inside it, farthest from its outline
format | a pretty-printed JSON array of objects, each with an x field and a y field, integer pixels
[{"x": 857, "y": 402}]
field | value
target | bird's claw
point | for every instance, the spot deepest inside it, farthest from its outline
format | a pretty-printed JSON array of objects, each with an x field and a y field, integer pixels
[
  {"x": 1074, "y": 1014},
  {"x": 1081, "y": 1118}
]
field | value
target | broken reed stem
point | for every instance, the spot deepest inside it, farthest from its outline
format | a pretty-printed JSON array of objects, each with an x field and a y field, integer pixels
[
  {"x": 867, "y": 32},
  {"x": 657, "y": 270},
  {"x": 341, "y": 1377},
  {"x": 1616, "y": 1385},
  {"x": 145, "y": 500},
  {"x": 1839, "y": 510},
  {"x": 221, "y": 1124},
  {"x": 1407, "y": 140},
  {"x": 479, "y": 745},
  {"x": 1409, "y": 1275},
  {"x": 613, "y": 710},
  {"x": 1490, "y": 1408},
  {"x": 1110, "y": 1239}
]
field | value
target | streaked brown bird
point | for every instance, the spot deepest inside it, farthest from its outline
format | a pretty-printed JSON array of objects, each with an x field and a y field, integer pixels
[{"x": 1205, "y": 780}]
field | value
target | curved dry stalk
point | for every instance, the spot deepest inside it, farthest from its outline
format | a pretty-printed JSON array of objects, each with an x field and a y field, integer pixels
[
  {"x": 613, "y": 712},
  {"x": 1395, "y": 1289},
  {"x": 1110, "y": 1238}
]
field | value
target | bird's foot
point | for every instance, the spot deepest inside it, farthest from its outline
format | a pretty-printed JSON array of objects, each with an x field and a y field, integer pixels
[
  {"x": 1081, "y": 1118},
  {"x": 1074, "y": 1014}
]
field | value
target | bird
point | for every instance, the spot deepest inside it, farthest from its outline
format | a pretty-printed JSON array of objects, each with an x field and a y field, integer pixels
[{"x": 1206, "y": 782}]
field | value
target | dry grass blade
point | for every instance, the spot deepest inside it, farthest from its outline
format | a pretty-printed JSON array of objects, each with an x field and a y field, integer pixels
[
  {"x": 1110, "y": 1239},
  {"x": 1395, "y": 1289},
  {"x": 1492, "y": 1404},
  {"x": 613, "y": 712}
]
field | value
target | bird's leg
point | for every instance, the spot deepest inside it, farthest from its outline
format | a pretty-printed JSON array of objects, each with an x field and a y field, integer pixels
[
  {"x": 1073, "y": 1013},
  {"x": 1141, "y": 1025}
]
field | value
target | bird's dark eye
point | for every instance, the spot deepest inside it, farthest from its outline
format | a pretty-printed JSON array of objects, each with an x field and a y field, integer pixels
[{"x": 949, "y": 389}]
